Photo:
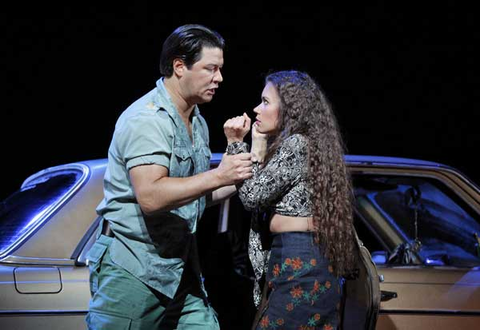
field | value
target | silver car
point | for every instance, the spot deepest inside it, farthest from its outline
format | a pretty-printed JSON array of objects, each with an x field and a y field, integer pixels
[{"x": 418, "y": 221}]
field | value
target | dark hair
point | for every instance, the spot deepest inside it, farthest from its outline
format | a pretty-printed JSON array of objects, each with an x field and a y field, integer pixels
[
  {"x": 186, "y": 43},
  {"x": 304, "y": 109}
]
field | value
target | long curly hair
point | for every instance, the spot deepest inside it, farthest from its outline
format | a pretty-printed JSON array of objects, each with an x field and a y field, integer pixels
[{"x": 304, "y": 109}]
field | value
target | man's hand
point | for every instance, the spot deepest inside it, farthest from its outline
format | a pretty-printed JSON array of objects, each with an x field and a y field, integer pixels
[
  {"x": 235, "y": 168},
  {"x": 236, "y": 128}
]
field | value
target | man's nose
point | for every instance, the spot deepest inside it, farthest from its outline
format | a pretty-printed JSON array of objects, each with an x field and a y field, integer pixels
[{"x": 218, "y": 76}]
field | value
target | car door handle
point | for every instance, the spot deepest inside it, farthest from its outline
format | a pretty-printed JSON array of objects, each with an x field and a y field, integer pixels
[{"x": 387, "y": 295}]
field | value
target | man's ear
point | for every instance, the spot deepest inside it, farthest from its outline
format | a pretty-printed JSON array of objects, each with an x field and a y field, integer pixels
[{"x": 179, "y": 67}]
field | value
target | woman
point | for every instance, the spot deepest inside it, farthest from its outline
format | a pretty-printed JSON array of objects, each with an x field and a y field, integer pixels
[{"x": 300, "y": 178}]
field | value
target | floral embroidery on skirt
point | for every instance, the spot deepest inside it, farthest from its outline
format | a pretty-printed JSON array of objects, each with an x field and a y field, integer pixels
[{"x": 304, "y": 292}]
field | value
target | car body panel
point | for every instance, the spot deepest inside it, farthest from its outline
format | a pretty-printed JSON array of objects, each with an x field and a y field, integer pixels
[
  {"x": 426, "y": 321},
  {"x": 436, "y": 290},
  {"x": 44, "y": 280}
]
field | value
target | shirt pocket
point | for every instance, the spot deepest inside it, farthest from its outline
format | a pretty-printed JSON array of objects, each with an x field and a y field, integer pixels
[
  {"x": 182, "y": 162},
  {"x": 205, "y": 156}
]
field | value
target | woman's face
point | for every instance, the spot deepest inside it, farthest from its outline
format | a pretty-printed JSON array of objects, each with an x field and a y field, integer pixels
[{"x": 268, "y": 111}]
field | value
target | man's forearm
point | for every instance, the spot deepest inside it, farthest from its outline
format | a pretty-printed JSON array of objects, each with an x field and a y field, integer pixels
[
  {"x": 168, "y": 193},
  {"x": 156, "y": 191}
]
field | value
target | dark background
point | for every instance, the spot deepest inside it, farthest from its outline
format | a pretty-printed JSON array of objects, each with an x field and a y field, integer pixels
[{"x": 401, "y": 77}]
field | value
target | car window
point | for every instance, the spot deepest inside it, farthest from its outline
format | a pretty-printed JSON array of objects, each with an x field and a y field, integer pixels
[
  {"x": 26, "y": 209},
  {"x": 418, "y": 220}
]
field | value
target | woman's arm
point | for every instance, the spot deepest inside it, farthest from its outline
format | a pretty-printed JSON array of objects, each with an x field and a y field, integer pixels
[
  {"x": 259, "y": 145},
  {"x": 282, "y": 171},
  {"x": 219, "y": 195}
]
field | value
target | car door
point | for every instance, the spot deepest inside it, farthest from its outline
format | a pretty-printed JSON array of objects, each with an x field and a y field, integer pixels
[
  {"x": 361, "y": 298},
  {"x": 422, "y": 229},
  {"x": 44, "y": 227}
]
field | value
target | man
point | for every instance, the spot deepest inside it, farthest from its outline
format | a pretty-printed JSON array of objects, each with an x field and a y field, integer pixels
[{"x": 144, "y": 269}]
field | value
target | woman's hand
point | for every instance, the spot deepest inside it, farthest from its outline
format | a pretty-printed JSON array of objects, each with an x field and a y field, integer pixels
[
  {"x": 259, "y": 145},
  {"x": 256, "y": 135},
  {"x": 236, "y": 128}
]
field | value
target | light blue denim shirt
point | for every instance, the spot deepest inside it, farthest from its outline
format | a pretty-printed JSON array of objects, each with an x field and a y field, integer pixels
[{"x": 150, "y": 131}]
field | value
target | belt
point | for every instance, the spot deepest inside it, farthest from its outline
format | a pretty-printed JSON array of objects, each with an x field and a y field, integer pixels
[{"x": 106, "y": 230}]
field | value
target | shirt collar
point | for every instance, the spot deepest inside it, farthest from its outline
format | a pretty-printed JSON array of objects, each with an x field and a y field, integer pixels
[{"x": 163, "y": 101}]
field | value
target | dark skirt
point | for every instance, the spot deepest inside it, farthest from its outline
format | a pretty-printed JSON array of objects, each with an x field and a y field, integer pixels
[{"x": 303, "y": 291}]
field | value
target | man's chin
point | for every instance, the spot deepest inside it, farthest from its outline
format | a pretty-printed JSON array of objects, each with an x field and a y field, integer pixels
[{"x": 205, "y": 99}]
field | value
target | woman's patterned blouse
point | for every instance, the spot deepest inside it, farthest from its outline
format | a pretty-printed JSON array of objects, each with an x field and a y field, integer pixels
[
  {"x": 282, "y": 183},
  {"x": 280, "y": 186}
]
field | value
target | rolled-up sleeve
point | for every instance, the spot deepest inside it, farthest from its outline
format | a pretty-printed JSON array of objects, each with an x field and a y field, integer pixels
[{"x": 145, "y": 141}]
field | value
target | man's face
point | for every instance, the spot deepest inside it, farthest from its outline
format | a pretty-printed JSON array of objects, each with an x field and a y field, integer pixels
[{"x": 201, "y": 81}]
